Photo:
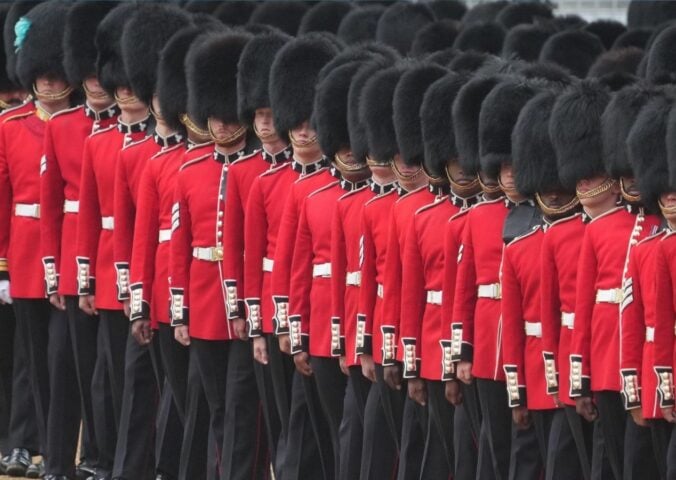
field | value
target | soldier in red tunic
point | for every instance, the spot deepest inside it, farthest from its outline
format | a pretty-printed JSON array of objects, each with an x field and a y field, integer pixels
[
  {"x": 44, "y": 329},
  {"x": 608, "y": 239}
]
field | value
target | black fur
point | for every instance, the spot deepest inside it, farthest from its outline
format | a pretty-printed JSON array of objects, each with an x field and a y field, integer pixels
[
  {"x": 434, "y": 37},
  {"x": 468, "y": 62},
  {"x": 523, "y": 13},
  {"x": 324, "y": 17},
  {"x": 235, "y": 12},
  {"x": 671, "y": 149},
  {"x": 5, "y": 82},
  {"x": 360, "y": 52},
  {"x": 661, "y": 64},
  {"x": 17, "y": 9},
  {"x": 607, "y": 30},
  {"x": 285, "y": 15},
  {"x": 633, "y": 38},
  {"x": 621, "y": 60},
  {"x": 483, "y": 12},
  {"x": 481, "y": 37},
  {"x": 450, "y": 9},
  {"x": 525, "y": 42},
  {"x": 109, "y": 65},
  {"x": 360, "y": 24},
  {"x": 649, "y": 13},
  {"x": 573, "y": 49},
  {"x": 400, "y": 23}
]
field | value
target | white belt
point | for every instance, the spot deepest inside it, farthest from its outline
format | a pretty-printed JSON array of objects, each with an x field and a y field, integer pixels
[
  {"x": 650, "y": 334},
  {"x": 209, "y": 254},
  {"x": 567, "y": 320},
  {"x": 268, "y": 263},
  {"x": 353, "y": 279},
  {"x": 492, "y": 290},
  {"x": 31, "y": 210},
  {"x": 164, "y": 235},
  {"x": 614, "y": 295},
  {"x": 107, "y": 223},
  {"x": 71, "y": 206},
  {"x": 321, "y": 270},
  {"x": 380, "y": 290},
  {"x": 434, "y": 297},
  {"x": 533, "y": 329}
]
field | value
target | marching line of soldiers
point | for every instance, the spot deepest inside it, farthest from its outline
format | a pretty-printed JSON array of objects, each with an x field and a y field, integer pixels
[{"x": 337, "y": 241}]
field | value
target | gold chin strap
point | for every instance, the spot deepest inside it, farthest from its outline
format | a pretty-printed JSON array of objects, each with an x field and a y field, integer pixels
[
  {"x": 667, "y": 210},
  {"x": 462, "y": 190},
  {"x": 372, "y": 162},
  {"x": 595, "y": 192},
  {"x": 4, "y": 105},
  {"x": 555, "y": 212},
  {"x": 262, "y": 137},
  {"x": 487, "y": 188},
  {"x": 628, "y": 196},
  {"x": 125, "y": 100},
  {"x": 52, "y": 97},
  {"x": 406, "y": 176},
  {"x": 298, "y": 144},
  {"x": 154, "y": 112},
  {"x": 193, "y": 127},
  {"x": 97, "y": 95},
  {"x": 348, "y": 167},
  {"x": 229, "y": 141}
]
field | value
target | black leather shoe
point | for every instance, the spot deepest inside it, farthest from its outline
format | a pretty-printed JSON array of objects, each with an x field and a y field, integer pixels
[
  {"x": 83, "y": 471},
  {"x": 18, "y": 462},
  {"x": 36, "y": 470},
  {"x": 56, "y": 477},
  {"x": 3, "y": 464},
  {"x": 164, "y": 476}
]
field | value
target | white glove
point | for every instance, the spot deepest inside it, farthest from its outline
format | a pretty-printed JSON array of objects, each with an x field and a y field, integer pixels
[{"x": 4, "y": 292}]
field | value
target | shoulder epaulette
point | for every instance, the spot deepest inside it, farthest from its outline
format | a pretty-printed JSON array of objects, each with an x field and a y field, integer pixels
[
  {"x": 103, "y": 130},
  {"x": 137, "y": 142},
  {"x": 460, "y": 213},
  {"x": 429, "y": 206},
  {"x": 164, "y": 151},
  {"x": 66, "y": 111},
  {"x": 525, "y": 235},
  {"x": 310, "y": 175},
  {"x": 275, "y": 169},
  {"x": 325, "y": 187},
  {"x": 248, "y": 156},
  {"x": 17, "y": 116},
  {"x": 384, "y": 195},
  {"x": 195, "y": 160},
  {"x": 353, "y": 192}
]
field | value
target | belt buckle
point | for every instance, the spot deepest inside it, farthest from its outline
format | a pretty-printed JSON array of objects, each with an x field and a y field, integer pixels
[
  {"x": 618, "y": 295},
  {"x": 497, "y": 291},
  {"x": 216, "y": 253}
]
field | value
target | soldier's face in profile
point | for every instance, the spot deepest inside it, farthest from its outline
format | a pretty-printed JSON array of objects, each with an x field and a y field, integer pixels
[
  {"x": 457, "y": 174},
  {"x": 668, "y": 204},
  {"x": 265, "y": 127},
  {"x": 97, "y": 97},
  {"x": 13, "y": 97},
  {"x": 630, "y": 186}
]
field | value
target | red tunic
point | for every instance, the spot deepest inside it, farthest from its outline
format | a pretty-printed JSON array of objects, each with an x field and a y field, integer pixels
[
  {"x": 423, "y": 332},
  {"x": 521, "y": 325},
  {"x": 130, "y": 165},
  {"x": 21, "y": 152},
  {"x": 152, "y": 230},
  {"x": 479, "y": 259},
  {"x": 595, "y": 347},
  {"x": 94, "y": 249},
  {"x": 400, "y": 221},
  {"x": 65, "y": 137},
  {"x": 286, "y": 242},
  {"x": 665, "y": 323},
  {"x": 346, "y": 261},
  {"x": 376, "y": 222},
  {"x": 558, "y": 279},
  {"x": 638, "y": 330}
]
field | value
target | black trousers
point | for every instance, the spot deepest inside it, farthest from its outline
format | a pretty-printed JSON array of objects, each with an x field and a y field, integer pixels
[
  {"x": 108, "y": 383},
  {"x": 671, "y": 455},
  {"x": 413, "y": 434},
  {"x": 134, "y": 453},
  {"x": 660, "y": 431},
  {"x": 7, "y": 326},
  {"x": 351, "y": 431},
  {"x": 269, "y": 409},
  {"x": 281, "y": 368},
  {"x": 496, "y": 427},
  {"x": 563, "y": 459},
  {"x": 245, "y": 453},
  {"x": 438, "y": 461},
  {"x": 528, "y": 447},
  {"x": 380, "y": 451},
  {"x": 83, "y": 330},
  {"x": 639, "y": 454},
  {"x": 465, "y": 437}
]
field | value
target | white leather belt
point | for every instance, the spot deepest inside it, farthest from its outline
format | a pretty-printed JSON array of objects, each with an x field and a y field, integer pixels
[
  {"x": 107, "y": 223},
  {"x": 614, "y": 295},
  {"x": 31, "y": 210},
  {"x": 492, "y": 290},
  {"x": 434, "y": 297},
  {"x": 268, "y": 263},
  {"x": 208, "y": 254},
  {"x": 533, "y": 329},
  {"x": 650, "y": 334},
  {"x": 164, "y": 235},
  {"x": 567, "y": 320},
  {"x": 353, "y": 279},
  {"x": 71, "y": 206},
  {"x": 380, "y": 290},
  {"x": 321, "y": 270}
]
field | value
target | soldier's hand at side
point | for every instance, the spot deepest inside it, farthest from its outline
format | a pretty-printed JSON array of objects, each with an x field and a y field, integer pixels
[
  {"x": 392, "y": 376},
  {"x": 260, "y": 350},
  {"x": 669, "y": 414},
  {"x": 368, "y": 367},
  {"x": 302, "y": 361},
  {"x": 557, "y": 400},
  {"x": 126, "y": 306},
  {"x": 453, "y": 392},
  {"x": 88, "y": 304},
  {"x": 464, "y": 373},
  {"x": 141, "y": 331},
  {"x": 285, "y": 343},
  {"x": 239, "y": 325},
  {"x": 182, "y": 335},
  {"x": 417, "y": 390},
  {"x": 521, "y": 417},
  {"x": 637, "y": 417},
  {"x": 586, "y": 408},
  {"x": 343, "y": 366},
  {"x": 5, "y": 297},
  {"x": 58, "y": 301}
]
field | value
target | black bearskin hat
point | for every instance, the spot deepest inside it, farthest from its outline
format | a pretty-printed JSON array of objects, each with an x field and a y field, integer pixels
[
  {"x": 357, "y": 53},
  {"x": 434, "y": 37},
  {"x": 499, "y": 112},
  {"x": 619, "y": 61},
  {"x": 293, "y": 76},
  {"x": 39, "y": 43},
  {"x": 607, "y": 30},
  {"x": 285, "y": 15},
  {"x": 360, "y": 24},
  {"x": 524, "y": 42},
  {"x": 408, "y": 96},
  {"x": 661, "y": 66},
  {"x": 79, "y": 51},
  {"x": 573, "y": 49},
  {"x": 109, "y": 66},
  {"x": 17, "y": 9},
  {"x": 5, "y": 82},
  {"x": 649, "y": 13},
  {"x": 468, "y": 62},
  {"x": 324, "y": 16},
  {"x": 211, "y": 66},
  {"x": 633, "y": 38},
  {"x": 235, "y": 12},
  {"x": 483, "y": 12},
  {"x": 481, "y": 37},
  {"x": 144, "y": 36},
  {"x": 253, "y": 74},
  {"x": 575, "y": 131},
  {"x": 523, "y": 13},
  {"x": 647, "y": 147},
  {"x": 466, "y": 110},
  {"x": 400, "y": 23},
  {"x": 437, "y": 123},
  {"x": 450, "y": 9},
  {"x": 376, "y": 112},
  {"x": 534, "y": 159},
  {"x": 553, "y": 75},
  {"x": 671, "y": 149}
]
